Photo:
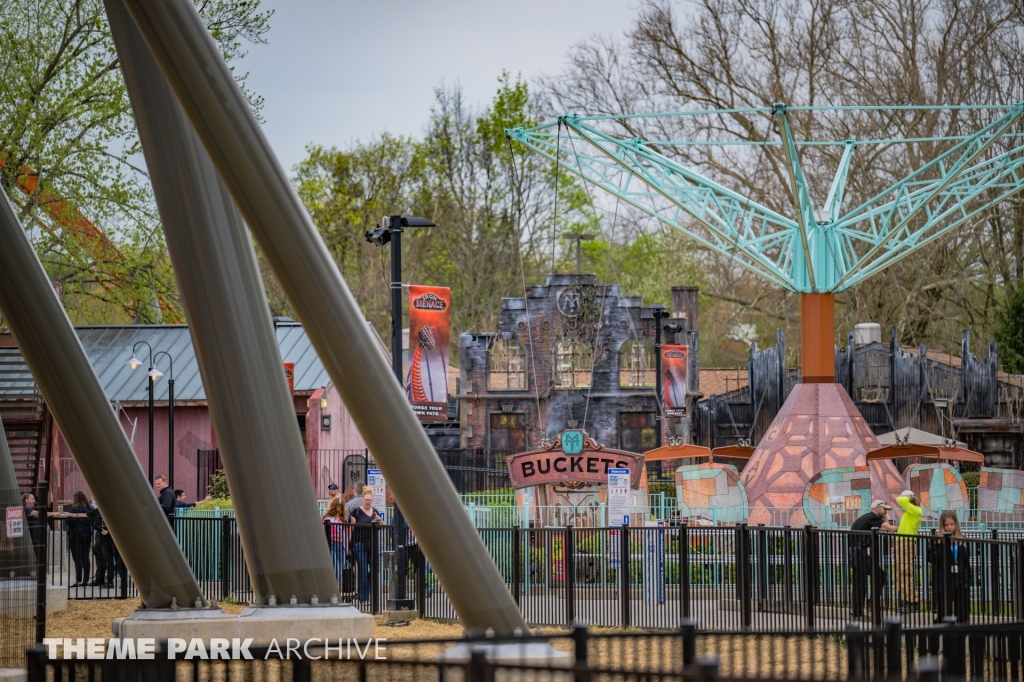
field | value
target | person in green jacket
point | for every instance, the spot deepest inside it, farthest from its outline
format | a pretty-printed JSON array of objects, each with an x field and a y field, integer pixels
[{"x": 906, "y": 551}]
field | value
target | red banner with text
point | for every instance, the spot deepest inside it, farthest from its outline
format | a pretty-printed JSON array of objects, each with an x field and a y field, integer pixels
[
  {"x": 674, "y": 367},
  {"x": 426, "y": 382}
]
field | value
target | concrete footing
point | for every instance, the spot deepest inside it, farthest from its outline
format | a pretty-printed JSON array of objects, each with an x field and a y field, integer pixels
[
  {"x": 261, "y": 623},
  {"x": 20, "y": 595}
]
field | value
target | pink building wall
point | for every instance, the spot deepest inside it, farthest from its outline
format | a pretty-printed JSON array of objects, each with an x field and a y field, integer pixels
[
  {"x": 328, "y": 449},
  {"x": 193, "y": 431}
]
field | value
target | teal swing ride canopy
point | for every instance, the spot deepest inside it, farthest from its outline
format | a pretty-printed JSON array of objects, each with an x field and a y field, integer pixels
[{"x": 816, "y": 249}]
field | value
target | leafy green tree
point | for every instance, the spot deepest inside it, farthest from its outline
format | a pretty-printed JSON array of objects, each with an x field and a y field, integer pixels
[
  {"x": 1009, "y": 331},
  {"x": 346, "y": 192},
  {"x": 69, "y": 151}
]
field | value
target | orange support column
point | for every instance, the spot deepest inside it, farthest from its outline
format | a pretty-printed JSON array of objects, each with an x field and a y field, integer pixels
[{"x": 818, "y": 321}]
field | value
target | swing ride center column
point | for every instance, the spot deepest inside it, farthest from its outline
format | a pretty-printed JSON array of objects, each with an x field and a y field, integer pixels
[{"x": 817, "y": 338}]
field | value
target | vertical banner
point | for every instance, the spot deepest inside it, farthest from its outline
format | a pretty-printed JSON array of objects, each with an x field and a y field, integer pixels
[
  {"x": 426, "y": 383},
  {"x": 618, "y": 497},
  {"x": 674, "y": 368},
  {"x": 289, "y": 375}
]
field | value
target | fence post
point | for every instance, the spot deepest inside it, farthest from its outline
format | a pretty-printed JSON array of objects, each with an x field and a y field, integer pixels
[
  {"x": 742, "y": 560},
  {"x": 893, "y": 650},
  {"x": 928, "y": 669},
  {"x": 517, "y": 565},
  {"x": 995, "y": 557},
  {"x": 945, "y": 601},
  {"x": 581, "y": 671},
  {"x": 1020, "y": 579},
  {"x": 854, "y": 652},
  {"x": 624, "y": 576},
  {"x": 810, "y": 571},
  {"x": 762, "y": 563},
  {"x": 375, "y": 568},
  {"x": 684, "y": 572},
  {"x": 953, "y": 650},
  {"x": 301, "y": 669},
  {"x": 421, "y": 581},
  {"x": 875, "y": 597},
  {"x": 688, "y": 634},
  {"x": 476, "y": 671},
  {"x": 225, "y": 557},
  {"x": 570, "y": 576},
  {"x": 41, "y": 558}
]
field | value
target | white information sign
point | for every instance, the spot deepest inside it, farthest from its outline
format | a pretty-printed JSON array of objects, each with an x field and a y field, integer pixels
[
  {"x": 375, "y": 480},
  {"x": 15, "y": 522},
  {"x": 618, "y": 497}
]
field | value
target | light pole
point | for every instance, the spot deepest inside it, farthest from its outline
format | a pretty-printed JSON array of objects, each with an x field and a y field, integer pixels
[
  {"x": 170, "y": 413},
  {"x": 390, "y": 230},
  {"x": 135, "y": 363}
]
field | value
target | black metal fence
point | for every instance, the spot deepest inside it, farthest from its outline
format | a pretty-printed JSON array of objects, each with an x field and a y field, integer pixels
[
  {"x": 952, "y": 652},
  {"x": 766, "y": 579},
  {"x": 761, "y": 578}
]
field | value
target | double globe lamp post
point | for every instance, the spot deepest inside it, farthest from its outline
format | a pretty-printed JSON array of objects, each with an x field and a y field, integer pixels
[{"x": 153, "y": 374}]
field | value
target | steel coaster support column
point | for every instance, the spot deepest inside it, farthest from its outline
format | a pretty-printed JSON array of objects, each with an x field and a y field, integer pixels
[
  {"x": 73, "y": 394},
  {"x": 329, "y": 313},
  {"x": 239, "y": 360},
  {"x": 817, "y": 325}
]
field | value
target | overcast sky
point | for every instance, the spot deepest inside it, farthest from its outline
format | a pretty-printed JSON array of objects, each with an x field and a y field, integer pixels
[{"x": 336, "y": 71}]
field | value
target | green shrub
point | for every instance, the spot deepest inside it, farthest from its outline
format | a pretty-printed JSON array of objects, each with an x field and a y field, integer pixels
[
  {"x": 210, "y": 505},
  {"x": 218, "y": 488},
  {"x": 971, "y": 478}
]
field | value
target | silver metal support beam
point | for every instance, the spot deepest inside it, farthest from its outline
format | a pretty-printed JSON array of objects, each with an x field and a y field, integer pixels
[
  {"x": 229, "y": 321},
  {"x": 329, "y": 313},
  {"x": 73, "y": 394}
]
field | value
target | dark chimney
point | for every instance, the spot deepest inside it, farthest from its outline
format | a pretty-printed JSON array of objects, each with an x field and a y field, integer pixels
[{"x": 684, "y": 305}]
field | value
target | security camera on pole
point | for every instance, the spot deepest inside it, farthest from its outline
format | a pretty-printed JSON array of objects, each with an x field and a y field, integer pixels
[{"x": 390, "y": 230}]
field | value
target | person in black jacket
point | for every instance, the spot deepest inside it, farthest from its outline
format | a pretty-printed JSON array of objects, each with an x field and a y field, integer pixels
[
  {"x": 79, "y": 525},
  {"x": 957, "y": 574},
  {"x": 166, "y": 497},
  {"x": 860, "y": 555}
]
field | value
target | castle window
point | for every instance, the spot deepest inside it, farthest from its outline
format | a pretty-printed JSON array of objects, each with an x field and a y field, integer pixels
[
  {"x": 572, "y": 363},
  {"x": 636, "y": 363},
  {"x": 506, "y": 366}
]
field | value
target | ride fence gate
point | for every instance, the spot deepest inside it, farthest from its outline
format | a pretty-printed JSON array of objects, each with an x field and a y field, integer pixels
[{"x": 23, "y": 577}]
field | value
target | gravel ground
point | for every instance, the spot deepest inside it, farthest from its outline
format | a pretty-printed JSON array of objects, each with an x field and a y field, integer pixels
[{"x": 763, "y": 656}]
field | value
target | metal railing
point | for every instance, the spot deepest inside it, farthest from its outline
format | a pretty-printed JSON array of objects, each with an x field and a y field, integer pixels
[
  {"x": 763, "y": 578},
  {"x": 952, "y": 652},
  {"x": 769, "y": 579}
]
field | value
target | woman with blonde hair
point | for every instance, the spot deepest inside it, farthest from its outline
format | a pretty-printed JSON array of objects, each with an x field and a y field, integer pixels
[
  {"x": 333, "y": 521},
  {"x": 957, "y": 575}
]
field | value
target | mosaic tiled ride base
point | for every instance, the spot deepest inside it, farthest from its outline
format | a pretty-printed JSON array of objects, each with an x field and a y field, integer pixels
[
  {"x": 710, "y": 492},
  {"x": 817, "y": 429},
  {"x": 837, "y": 496},
  {"x": 1001, "y": 494},
  {"x": 938, "y": 487}
]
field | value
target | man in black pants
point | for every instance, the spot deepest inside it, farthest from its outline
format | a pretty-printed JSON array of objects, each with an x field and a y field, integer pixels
[{"x": 860, "y": 554}]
